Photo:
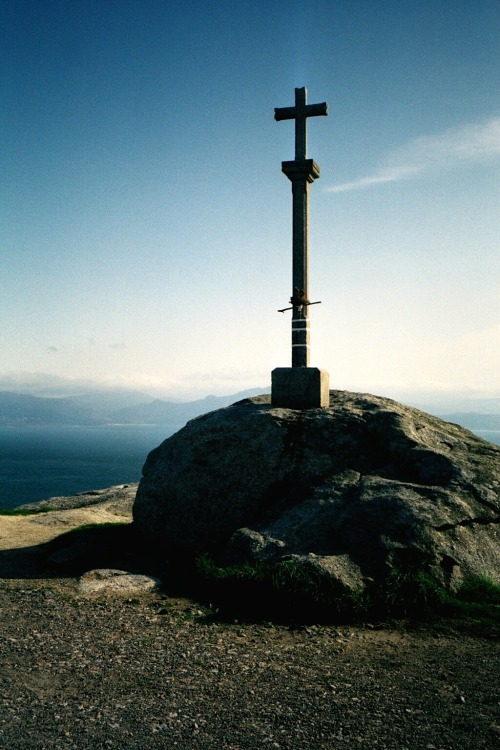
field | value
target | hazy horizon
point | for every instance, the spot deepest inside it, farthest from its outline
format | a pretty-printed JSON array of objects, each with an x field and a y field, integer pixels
[
  {"x": 45, "y": 385},
  {"x": 146, "y": 224}
]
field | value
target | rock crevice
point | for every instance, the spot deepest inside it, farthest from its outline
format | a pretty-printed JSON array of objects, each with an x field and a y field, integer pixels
[{"x": 468, "y": 522}]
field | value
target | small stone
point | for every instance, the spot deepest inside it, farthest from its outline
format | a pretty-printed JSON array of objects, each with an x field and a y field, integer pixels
[{"x": 121, "y": 582}]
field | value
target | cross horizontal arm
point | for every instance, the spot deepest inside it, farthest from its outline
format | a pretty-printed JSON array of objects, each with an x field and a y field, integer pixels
[
  {"x": 284, "y": 113},
  {"x": 310, "y": 110},
  {"x": 300, "y": 113}
]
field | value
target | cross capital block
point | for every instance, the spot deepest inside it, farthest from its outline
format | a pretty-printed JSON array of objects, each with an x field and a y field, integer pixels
[{"x": 304, "y": 171}]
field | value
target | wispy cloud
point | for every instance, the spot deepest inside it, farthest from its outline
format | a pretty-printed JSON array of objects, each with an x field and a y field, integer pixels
[{"x": 454, "y": 147}]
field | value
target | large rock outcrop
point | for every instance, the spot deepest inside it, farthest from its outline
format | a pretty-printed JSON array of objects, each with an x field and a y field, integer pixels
[{"x": 352, "y": 492}]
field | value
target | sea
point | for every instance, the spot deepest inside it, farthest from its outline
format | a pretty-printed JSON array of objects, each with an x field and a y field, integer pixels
[{"x": 38, "y": 462}]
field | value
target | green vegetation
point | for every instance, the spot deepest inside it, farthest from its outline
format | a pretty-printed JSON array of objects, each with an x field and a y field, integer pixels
[
  {"x": 478, "y": 598},
  {"x": 408, "y": 593},
  {"x": 284, "y": 591},
  {"x": 207, "y": 568},
  {"x": 479, "y": 589},
  {"x": 290, "y": 590},
  {"x": 25, "y": 511},
  {"x": 419, "y": 594}
]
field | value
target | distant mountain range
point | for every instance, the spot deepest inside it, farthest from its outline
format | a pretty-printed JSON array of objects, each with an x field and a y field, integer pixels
[
  {"x": 132, "y": 407},
  {"x": 107, "y": 407}
]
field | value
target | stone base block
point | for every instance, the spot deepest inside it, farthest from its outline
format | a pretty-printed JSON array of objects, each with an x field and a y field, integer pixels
[{"x": 300, "y": 387}]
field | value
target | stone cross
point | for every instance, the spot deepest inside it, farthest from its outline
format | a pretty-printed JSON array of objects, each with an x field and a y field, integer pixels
[{"x": 302, "y": 172}]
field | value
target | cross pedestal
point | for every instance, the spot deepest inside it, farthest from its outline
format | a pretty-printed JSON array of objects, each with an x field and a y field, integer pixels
[{"x": 300, "y": 386}]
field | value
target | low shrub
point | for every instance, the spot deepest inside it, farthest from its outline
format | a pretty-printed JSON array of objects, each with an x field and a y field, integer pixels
[
  {"x": 292, "y": 591},
  {"x": 284, "y": 591}
]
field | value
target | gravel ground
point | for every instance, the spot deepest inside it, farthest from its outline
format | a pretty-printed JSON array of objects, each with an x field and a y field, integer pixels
[
  {"x": 154, "y": 672},
  {"x": 149, "y": 672}
]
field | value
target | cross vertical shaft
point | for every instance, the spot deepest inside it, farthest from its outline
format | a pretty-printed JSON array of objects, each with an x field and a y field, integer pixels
[
  {"x": 301, "y": 172},
  {"x": 300, "y": 267},
  {"x": 300, "y": 124}
]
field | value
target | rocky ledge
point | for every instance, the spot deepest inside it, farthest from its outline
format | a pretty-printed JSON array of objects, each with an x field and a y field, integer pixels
[{"x": 352, "y": 493}]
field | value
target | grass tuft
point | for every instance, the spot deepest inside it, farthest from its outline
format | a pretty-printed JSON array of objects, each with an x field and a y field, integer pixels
[
  {"x": 284, "y": 591},
  {"x": 290, "y": 590},
  {"x": 479, "y": 589}
]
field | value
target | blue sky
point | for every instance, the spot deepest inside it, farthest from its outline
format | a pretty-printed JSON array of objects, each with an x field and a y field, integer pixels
[{"x": 145, "y": 224}]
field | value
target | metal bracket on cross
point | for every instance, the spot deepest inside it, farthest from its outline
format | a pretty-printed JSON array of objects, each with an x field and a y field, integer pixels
[
  {"x": 302, "y": 304},
  {"x": 299, "y": 300}
]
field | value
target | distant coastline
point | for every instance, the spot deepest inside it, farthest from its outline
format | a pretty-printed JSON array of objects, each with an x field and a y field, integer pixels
[
  {"x": 120, "y": 408},
  {"x": 62, "y": 446},
  {"x": 106, "y": 408}
]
